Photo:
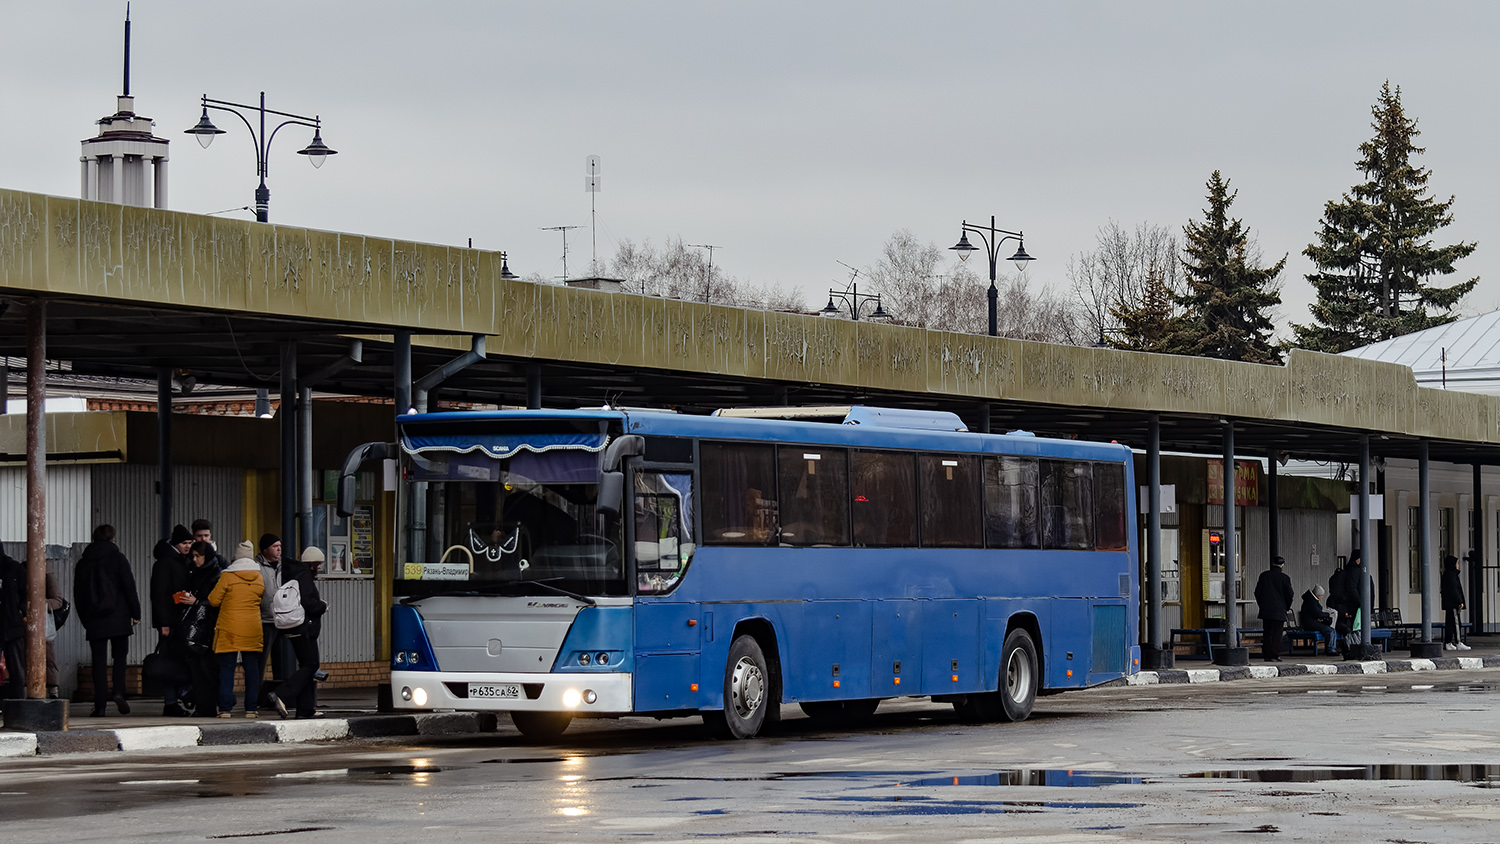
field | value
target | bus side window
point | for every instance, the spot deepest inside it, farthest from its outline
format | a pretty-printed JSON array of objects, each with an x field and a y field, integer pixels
[
  {"x": 1067, "y": 505},
  {"x": 1010, "y": 511},
  {"x": 950, "y": 493},
  {"x": 814, "y": 495},
  {"x": 883, "y": 499},
  {"x": 739, "y": 493},
  {"x": 663, "y": 529},
  {"x": 1109, "y": 507}
]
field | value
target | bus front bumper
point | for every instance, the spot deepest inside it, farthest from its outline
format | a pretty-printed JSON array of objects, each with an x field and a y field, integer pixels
[{"x": 581, "y": 694}]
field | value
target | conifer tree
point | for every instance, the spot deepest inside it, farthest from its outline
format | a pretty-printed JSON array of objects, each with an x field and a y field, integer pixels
[
  {"x": 1227, "y": 299},
  {"x": 1374, "y": 256},
  {"x": 1145, "y": 325}
]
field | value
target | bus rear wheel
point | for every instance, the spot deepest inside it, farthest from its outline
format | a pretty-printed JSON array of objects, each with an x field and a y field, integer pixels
[
  {"x": 540, "y": 725},
  {"x": 747, "y": 692},
  {"x": 1019, "y": 676}
]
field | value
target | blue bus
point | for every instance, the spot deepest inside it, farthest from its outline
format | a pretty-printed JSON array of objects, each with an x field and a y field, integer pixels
[{"x": 599, "y": 563}]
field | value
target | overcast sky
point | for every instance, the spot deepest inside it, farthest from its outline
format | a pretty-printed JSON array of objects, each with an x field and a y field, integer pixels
[{"x": 792, "y": 135}]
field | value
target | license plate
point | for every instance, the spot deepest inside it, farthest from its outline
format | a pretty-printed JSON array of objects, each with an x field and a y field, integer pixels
[{"x": 495, "y": 691}]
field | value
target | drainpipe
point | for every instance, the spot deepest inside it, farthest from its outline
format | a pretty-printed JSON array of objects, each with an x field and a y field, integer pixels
[{"x": 304, "y": 434}]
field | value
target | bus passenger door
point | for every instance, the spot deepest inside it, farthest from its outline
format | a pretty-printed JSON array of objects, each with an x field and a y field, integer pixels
[
  {"x": 951, "y": 647},
  {"x": 833, "y": 662},
  {"x": 896, "y": 647}
]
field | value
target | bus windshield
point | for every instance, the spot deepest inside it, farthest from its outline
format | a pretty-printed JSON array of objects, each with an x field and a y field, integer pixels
[{"x": 494, "y": 524}]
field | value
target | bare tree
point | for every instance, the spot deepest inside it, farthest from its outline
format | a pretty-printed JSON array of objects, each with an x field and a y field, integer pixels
[
  {"x": 678, "y": 271},
  {"x": 916, "y": 289},
  {"x": 1124, "y": 276}
]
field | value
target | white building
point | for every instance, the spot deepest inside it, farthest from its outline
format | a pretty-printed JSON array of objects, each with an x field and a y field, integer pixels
[{"x": 125, "y": 163}]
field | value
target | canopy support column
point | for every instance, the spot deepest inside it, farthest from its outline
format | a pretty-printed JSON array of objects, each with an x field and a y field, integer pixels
[
  {"x": 1232, "y": 653},
  {"x": 1155, "y": 654},
  {"x": 1366, "y": 647},
  {"x": 1426, "y": 648}
]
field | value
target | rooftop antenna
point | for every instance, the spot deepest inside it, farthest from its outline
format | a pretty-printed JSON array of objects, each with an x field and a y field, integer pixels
[
  {"x": 127, "y": 51},
  {"x": 564, "y": 230},
  {"x": 853, "y": 271},
  {"x": 591, "y": 186}
]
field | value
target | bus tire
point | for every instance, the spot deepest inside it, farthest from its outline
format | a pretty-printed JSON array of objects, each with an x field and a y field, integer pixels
[
  {"x": 1019, "y": 676},
  {"x": 540, "y": 725},
  {"x": 747, "y": 692}
]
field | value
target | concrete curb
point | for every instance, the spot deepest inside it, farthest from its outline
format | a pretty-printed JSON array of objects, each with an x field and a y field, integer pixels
[
  {"x": 1263, "y": 672},
  {"x": 17, "y": 745}
]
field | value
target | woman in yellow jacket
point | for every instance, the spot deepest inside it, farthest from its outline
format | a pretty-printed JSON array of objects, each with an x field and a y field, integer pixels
[{"x": 237, "y": 633}]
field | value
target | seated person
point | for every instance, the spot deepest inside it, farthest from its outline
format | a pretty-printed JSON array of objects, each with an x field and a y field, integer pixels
[{"x": 1312, "y": 616}]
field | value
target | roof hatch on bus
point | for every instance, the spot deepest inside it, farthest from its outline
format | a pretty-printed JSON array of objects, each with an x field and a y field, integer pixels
[{"x": 880, "y": 417}]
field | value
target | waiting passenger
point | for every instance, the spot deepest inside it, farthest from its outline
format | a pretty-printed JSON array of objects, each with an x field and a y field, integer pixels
[
  {"x": 1312, "y": 616},
  {"x": 1453, "y": 603},
  {"x": 1273, "y": 595}
]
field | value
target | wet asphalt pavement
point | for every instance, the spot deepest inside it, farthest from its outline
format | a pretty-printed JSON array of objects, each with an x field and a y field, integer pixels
[{"x": 1396, "y": 757}]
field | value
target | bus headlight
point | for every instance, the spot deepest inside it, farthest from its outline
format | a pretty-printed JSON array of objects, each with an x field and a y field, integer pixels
[
  {"x": 406, "y": 692},
  {"x": 583, "y": 659},
  {"x": 603, "y": 658},
  {"x": 571, "y": 698},
  {"x": 419, "y": 696},
  {"x": 400, "y": 657},
  {"x": 589, "y": 696}
]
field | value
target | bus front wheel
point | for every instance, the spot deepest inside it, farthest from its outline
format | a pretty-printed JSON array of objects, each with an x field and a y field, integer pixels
[
  {"x": 1019, "y": 676},
  {"x": 747, "y": 692},
  {"x": 540, "y": 725}
]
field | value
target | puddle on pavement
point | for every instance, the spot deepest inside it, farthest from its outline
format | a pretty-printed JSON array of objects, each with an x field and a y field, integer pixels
[
  {"x": 1057, "y": 778},
  {"x": 921, "y": 805},
  {"x": 1484, "y": 776},
  {"x": 528, "y": 759}
]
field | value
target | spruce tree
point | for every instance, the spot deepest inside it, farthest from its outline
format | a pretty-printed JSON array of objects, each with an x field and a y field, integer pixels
[
  {"x": 1227, "y": 298},
  {"x": 1374, "y": 254},
  {"x": 1145, "y": 325}
]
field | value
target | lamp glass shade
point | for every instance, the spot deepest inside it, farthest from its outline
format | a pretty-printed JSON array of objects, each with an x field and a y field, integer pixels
[
  {"x": 879, "y": 312},
  {"x": 1021, "y": 259},
  {"x": 830, "y": 309},
  {"x": 317, "y": 150},
  {"x": 963, "y": 247},
  {"x": 505, "y": 272},
  {"x": 205, "y": 130}
]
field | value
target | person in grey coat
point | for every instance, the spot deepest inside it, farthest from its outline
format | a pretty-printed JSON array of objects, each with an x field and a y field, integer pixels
[{"x": 1273, "y": 594}]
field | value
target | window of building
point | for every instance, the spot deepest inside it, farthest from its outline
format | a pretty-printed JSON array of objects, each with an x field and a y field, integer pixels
[
  {"x": 1445, "y": 534},
  {"x": 1010, "y": 511},
  {"x": 814, "y": 495},
  {"x": 1109, "y": 507},
  {"x": 950, "y": 491},
  {"x": 883, "y": 499},
  {"x": 1067, "y": 505},
  {"x": 739, "y": 507}
]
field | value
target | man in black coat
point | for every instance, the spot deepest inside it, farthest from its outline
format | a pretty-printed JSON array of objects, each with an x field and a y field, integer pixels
[
  {"x": 13, "y": 625},
  {"x": 1273, "y": 593},
  {"x": 300, "y": 689},
  {"x": 169, "y": 578},
  {"x": 104, "y": 594},
  {"x": 1453, "y": 603}
]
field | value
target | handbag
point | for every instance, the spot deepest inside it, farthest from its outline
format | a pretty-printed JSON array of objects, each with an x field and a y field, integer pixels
[
  {"x": 198, "y": 627},
  {"x": 60, "y": 615},
  {"x": 160, "y": 668}
]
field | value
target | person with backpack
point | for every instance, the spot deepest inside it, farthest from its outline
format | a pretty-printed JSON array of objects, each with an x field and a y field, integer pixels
[
  {"x": 169, "y": 578},
  {"x": 299, "y": 616},
  {"x": 104, "y": 593},
  {"x": 199, "y": 619},
  {"x": 13, "y": 625},
  {"x": 277, "y": 654},
  {"x": 237, "y": 635}
]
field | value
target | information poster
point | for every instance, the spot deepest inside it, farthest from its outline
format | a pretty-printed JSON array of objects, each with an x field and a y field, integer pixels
[{"x": 362, "y": 538}]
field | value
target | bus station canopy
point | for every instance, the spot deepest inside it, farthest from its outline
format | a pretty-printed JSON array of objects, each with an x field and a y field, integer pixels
[{"x": 133, "y": 290}]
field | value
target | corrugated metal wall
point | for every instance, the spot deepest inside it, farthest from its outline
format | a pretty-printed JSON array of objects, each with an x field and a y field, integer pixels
[
  {"x": 124, "y": 495},
  {"x": 68, "y": 502},
  {"x": 349, "y": 627}
]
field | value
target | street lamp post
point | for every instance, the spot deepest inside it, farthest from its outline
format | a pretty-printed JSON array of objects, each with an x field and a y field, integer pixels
[
  {"x": 992, "y": 239},
  {"x": 853, "y": 300},
  {"x": 315, "y": 151}
]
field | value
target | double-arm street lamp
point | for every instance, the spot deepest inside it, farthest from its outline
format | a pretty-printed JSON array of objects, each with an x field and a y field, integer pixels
[
  {"x": 854, "y": 300},
  {"x": 315, "y": 151},
  {"x": 992, "y": 238}
]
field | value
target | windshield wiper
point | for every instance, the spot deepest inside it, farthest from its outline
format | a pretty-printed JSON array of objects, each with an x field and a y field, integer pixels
[{"x": 501, "y": 589}]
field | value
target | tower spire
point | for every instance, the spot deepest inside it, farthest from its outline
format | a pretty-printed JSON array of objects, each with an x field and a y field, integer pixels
[{"x": 127, "y": 51}]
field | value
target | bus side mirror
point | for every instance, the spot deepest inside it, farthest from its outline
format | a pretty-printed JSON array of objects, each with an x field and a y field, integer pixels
[
  {"x": 357, "y": 458},
  {"x": 611, "y": 498}
]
